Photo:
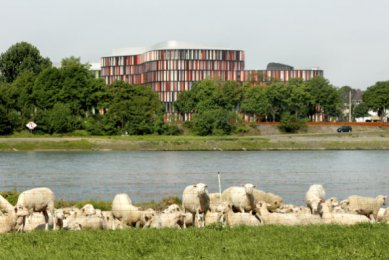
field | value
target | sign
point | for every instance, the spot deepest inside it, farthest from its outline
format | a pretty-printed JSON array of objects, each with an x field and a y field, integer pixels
[{"x": 31, "y": 125}]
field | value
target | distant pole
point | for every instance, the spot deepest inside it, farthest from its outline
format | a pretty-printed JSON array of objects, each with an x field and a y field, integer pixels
[
  {"x": 220, "y": 186},
  {"x": 349, "y": 106}
]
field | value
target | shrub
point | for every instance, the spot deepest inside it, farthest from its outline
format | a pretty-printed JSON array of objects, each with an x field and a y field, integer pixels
[{"x": 291, "y": 124}]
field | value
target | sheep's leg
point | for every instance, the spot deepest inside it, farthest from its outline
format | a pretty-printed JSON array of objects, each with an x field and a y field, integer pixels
[{"x": 46, "y": 215}]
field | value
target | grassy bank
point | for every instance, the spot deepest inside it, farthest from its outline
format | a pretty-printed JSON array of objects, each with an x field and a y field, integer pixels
[
  {"x": 267, "y": 242},
  {"x": 308, "y": 141}
]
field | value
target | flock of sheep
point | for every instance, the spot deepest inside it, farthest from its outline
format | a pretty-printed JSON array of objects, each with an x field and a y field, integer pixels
[{"x": 236, "y": 206}]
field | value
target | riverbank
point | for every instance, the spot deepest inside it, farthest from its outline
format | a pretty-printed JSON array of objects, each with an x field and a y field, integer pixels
[
  {"x": 365, "y": 139},
  {"x": 301, "y": 242}
]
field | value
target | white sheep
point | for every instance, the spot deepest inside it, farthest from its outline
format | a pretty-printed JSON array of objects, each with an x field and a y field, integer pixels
[
  {"x": 195, "y": 200},
  {"x": 80, "y": 222},
  {"x": 35, "y": 200},
  {"x": 109, "y": 222},
  {"x": 88, "y": 210},
  {"x": 213, "y": 218},
  {"x": 290, "y": 219},
  {"x": 128, "y": 214},
  {"x": 364, "y": 205},
  {"x": 172, "y": 208},
  {"x": 240, "y": 198},
  {"x": 314, "y": 198},
  {"x": 168, "y": 220},
  {"x": 8, "y": 218},
  {"x": 215, "y": 201},
  {"x": 241, "y": 219},
  {"x": 341, "y": 218},
  {"x": 274, "y": 201}
]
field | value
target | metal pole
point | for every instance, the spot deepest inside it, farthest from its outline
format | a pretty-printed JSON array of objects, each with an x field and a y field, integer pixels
[
  {"x": 220, "y": 186},
  {"x": 349, "y": 106}
]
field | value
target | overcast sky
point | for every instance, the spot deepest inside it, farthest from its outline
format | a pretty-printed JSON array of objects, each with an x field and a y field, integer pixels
[{"x": 348, "y": 39}]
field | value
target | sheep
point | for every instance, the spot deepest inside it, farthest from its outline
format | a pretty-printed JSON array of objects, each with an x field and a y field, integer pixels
[
  {"x": 364, "y": 205},
  {"x": 385, "y": 217},
  {"x": 172, "y": 208},
  {"x": 35, "y": 200},
  {"x": 8, "y": 218},
  {"x": 241, "y": 219},
  {"x": 213, "y": 218},
  {"x": 314, "y": 198},
  {"x": 303, "y": 217},
  {"x": 88, "y": 210},
  {"x": 240, "y": 198},
  {"x": 109, "y": 222},
  {"x": 79, "y": 222},
  {"x": 36, "y": 222},
  {"x": 168, "y": 220},
  {"x": 332, "y": 203},
  {"x": 128, "y": 214},
  {"x": 195, "y": 200},
  {"x": 214, "y": 201},
  {"x": 341, "y": 218},
  {"x": 273, "y": 201}
]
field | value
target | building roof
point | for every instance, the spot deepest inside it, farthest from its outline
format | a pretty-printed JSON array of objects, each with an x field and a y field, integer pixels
[{"x": 168, "y": 45}]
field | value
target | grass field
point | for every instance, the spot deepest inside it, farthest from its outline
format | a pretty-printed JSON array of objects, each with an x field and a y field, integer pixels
[
  {"x": 358, "y": 140},
  {"x": 267, "y": 242}
]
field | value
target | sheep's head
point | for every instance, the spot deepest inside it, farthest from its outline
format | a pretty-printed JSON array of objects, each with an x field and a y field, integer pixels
[
  {"x": 276, "y": 203},
  {"x": 382, "y": 199},
  {"x": 21, "y": 211},
  {"x": 201, "y": 188},
  {"x": 316, "y": 205},
  {"x": 249, "y": 188},
  {"x": 147, "y": 215}
]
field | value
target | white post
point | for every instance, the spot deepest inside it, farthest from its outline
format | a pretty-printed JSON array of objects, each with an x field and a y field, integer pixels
[{"x": 220, "y": 186}]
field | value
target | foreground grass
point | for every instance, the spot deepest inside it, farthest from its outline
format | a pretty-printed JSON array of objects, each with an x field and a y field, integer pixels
[{"x": 267, "y": 242}]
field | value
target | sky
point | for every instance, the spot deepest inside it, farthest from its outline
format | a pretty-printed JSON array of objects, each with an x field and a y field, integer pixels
[{"x": 348, "y": 39}]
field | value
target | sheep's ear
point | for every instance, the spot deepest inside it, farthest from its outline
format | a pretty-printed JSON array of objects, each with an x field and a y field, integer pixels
[
  {"x": 16, "y": 210},
  {"x": 206, "y": 186},
  {"x": 322, "y": 200},
  {"x": 254, "y": 186},
  {"x": 194, "y": 185}
]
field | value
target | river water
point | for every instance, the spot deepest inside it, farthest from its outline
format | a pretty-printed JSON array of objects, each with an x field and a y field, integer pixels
[{"x": 147, "y": 176}]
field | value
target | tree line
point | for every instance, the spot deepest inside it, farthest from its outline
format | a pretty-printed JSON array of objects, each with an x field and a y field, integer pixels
[{"x": 70, "y": 98}]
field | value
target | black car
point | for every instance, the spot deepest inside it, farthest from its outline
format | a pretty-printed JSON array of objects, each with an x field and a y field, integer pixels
[{"x": 345, "y": 128}]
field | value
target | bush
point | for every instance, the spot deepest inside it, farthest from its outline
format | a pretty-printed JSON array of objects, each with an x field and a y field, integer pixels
[
  {"x": 291, "y": 124},
  {"x": 80, "y": 133},
  {"x": 169, "y": 130},
  {"x": 11, "y": 196}
]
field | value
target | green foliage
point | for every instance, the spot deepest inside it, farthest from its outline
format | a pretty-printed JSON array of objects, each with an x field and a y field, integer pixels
[
  {"x": 255, "y": 101},
  {"x": 361, "y": 110},
  {"x": 291, "y": 124},
  {"x": 215, "y": 121},
  {"x": 11, "y": 196},
  {"x": 133, "y": 109},
  {"x": 376, "y": 97},
  {"x": 21, "y": 57},
  {"x": 266, "y": 242},
  {"x": 166, "y": 129}
]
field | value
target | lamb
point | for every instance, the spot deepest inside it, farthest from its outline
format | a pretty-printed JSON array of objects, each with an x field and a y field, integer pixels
[
  {"x": 364, "y": 205},
  {"x": 240, "y": 198},
  {"x": 290, "y": 219},
  {"x": 274, "y": 201},
  {"x": 385, "y": 217},
  {"x": 35, "y": 200},
  {"x": 8, "y": 219},
  {"x": 241, "y": 219},
  {"x": 341, "y": 218},
  {"x": 314, "y": 198},
  {"x": 195, "y": 200}
]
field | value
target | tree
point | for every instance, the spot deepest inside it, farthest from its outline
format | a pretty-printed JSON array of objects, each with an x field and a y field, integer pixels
[
  {"x": 277, "y": 94},
  {"x": 376, "y": 97},
  {"x": 134, "y": 109},
  {"x": 255, "y": 102},
  {"x": 325, "y": 96},
  {"x": 299, "y": 98},
  {"x": 361, "y": 110},
  {"x": 21, "y": 57}
]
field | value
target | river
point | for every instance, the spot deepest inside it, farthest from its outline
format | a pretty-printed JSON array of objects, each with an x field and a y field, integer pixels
[{"x": 147, "y": 176}]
